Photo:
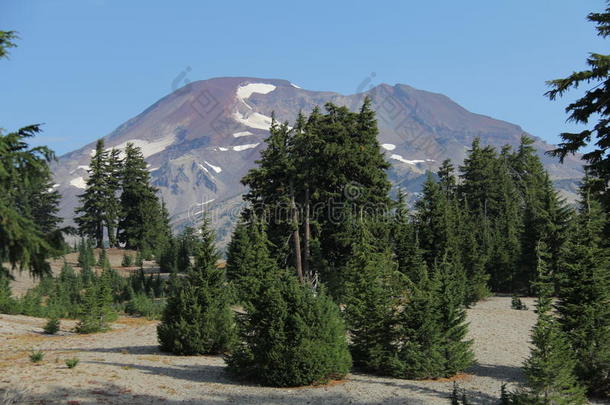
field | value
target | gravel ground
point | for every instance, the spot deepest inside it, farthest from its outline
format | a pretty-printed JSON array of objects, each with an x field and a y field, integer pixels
[{"x": 124, "y": 366}]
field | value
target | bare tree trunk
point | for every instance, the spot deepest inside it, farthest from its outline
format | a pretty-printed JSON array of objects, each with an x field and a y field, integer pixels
[
  {"x": 307, "y": 237},
  {"x": 296, "y": 238}
]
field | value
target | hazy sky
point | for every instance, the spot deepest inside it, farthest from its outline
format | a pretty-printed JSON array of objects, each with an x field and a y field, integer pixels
[{"x": 85, "y": 67}]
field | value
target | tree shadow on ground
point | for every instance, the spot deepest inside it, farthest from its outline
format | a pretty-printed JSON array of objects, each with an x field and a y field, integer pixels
[
  {"x": 114, "y": 394},
  {"x": 433, "y": 388},
  {"x": 504, "y": 374},
  {"x": 200, "y": 373}
]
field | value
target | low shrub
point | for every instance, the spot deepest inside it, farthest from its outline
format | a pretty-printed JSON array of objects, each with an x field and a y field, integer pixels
[
  {"x": 517, "y": 304},
  {"x": 52, "y": 326},
  {"x": 127, "y": 260},
  {"x": 71, "y": 363},
  {"x": 36, "y": 356}
]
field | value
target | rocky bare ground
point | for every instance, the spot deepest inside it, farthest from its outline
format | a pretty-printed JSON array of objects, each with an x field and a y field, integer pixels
[{"x": 124, "y": 366}]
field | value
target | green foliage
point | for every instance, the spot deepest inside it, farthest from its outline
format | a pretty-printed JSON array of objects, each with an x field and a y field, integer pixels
[
  {"x": 290, "y": 337},
  {"x": 52, "y": 326},
  {"x": 96, "y": 199},
  {"x": 249, "y": 264},
  {"x": 457, "y": 351},
  {"x": 144, "y": 222},
  {"x": 103, "y": 260},
  {"x": 584, "y": 294},
  {"x": 507, "y": 204},
  {"x": 8, "y": 305},
  {"x": 590, "y": 110},
  {"x": 36, "y": 356},
  {"x": 143, "y": 305},
  {"x": 330, "y": 161},
  {"x": 30, "y": 230},
  {"x": 549, "y": 370},
  {"x": 72, "y": 362},
  {"x": 458, "y": 396},
  {"x": 197, "y": 318},
  {"x": 86, "y": 258},
  {"x": 96, "y": 311},
  {"x": 127, "y": 260},
  {"x": 516, "y": 303},
  {"x": 7, "y": 41},
  {"x": 371, "y": 289},
  {"x": 139, "y": 260}
]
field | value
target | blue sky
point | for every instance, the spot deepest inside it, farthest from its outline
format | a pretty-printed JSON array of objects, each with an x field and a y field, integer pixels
[{"x": 85, "y": 67}]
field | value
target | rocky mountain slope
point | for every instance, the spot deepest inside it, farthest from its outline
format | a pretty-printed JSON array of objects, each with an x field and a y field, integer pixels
[{"x": 201, "y": 139}]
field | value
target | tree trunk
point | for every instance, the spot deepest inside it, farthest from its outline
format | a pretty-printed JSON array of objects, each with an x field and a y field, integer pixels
[
  {"x": 296, "y": 238},
  {"x": 307, "y": 237}
]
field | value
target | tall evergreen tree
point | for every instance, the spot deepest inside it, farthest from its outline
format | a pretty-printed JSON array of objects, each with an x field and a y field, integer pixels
[
  {"x": 141, "y": 211},
  {"x": 584, "y": 294},
  {"x": 420, "y": 345},
  {"x": 197, "y": 318},
  {"x": 29, "y": 232},
  {"x": 249, "y": 263},
  {"x": 329, "y": 161},
  {"x": 372, "y": 287},
  {"x": 549, "y": 370},
  {"x": 591, "y": 110},
  {"x": 457, "y": 350},
  {"x": 93, "y": 209}
]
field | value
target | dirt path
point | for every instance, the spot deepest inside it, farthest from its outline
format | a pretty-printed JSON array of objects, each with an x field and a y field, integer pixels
[{"x": 124, "y": 366}]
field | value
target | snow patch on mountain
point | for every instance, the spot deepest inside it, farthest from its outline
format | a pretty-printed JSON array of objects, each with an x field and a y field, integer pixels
[
  {"x": 148, "y": 148},
  {"x": 403, "y": 160},
  {"x": 78, "y": 182},
  {"x": 253, "y": 120},
  {"x": 202, "y": 167},
  {"x": 295, "y": 86},
  {"x": 388, "y": 146},
  {"x": 242, "y": 133},
  {"x": 222, "y": 149},
  {"x": 215, "y": 168},
  {"x": 244, "y": 147},
  {"x": 243, "y": 92}
]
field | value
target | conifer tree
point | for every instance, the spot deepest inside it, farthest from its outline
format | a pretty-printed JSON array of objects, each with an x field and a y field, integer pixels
[
  {"x": 372, "y": 286},
  {"x": 584, "y": 294},
  {"x": 291, "y": 336},
  {"x": 102, "y": 260},
  {"x": 404, "y": 236},
  {"x": 142, "y": 215},
  {"x": 457, "y": 351},
  {"x": 549, "y": 370},
  {"x": 197, "y": 318},
  {"x": 94, "y": 201},
  {"x": 85, "y": 254},
  {"x": 591, "y": 109},
  {"x": 420, "y": 352},
  {"x": 331, "y": 161},
  {"x": 249, "y": 263},
  {"x": 97, "y": 311},
  {"x": 28, "y": 203}
]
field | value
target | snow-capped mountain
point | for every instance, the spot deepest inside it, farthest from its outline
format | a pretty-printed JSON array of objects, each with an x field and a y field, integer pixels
[{"x": 201, "y": 139}]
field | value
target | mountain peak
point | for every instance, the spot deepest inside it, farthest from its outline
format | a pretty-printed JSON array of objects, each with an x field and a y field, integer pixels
[{"x": 201, "y": 139}]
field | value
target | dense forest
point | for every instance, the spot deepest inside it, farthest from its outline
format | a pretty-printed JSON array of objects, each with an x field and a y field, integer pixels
[{"x": 327, "y": 269}]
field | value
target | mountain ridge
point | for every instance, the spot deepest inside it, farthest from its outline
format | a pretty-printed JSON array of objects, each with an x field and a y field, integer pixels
[{"x": 201, "y": 139}]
